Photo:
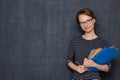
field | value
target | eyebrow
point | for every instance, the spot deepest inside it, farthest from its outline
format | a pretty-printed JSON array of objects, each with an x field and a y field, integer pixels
[{"x": 86, "y": 20}]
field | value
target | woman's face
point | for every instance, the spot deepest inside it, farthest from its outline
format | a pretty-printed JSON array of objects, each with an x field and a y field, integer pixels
[{"x": 86, "y": 23}]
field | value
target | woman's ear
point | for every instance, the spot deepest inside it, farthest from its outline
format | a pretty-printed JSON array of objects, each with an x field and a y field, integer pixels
[{"x": 94, "y": 20}]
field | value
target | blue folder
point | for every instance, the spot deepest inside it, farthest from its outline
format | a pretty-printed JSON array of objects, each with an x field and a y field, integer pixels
[{"x": 104, "y": 56}]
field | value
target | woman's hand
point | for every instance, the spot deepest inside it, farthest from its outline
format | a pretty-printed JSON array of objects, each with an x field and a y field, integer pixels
[
  {"x": 81, "y": 69},
  {"x": 89, "y": 63}
]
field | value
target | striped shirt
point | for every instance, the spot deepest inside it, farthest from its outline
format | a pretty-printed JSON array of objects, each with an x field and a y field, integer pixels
[{"x": 80, "y": 49}]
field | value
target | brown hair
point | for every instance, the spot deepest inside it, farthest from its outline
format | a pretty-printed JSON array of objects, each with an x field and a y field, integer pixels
[{"x": 85, "y": 11}]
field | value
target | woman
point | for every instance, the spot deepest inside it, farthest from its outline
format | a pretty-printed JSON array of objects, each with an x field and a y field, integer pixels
[{"x": 81, "y": 47}]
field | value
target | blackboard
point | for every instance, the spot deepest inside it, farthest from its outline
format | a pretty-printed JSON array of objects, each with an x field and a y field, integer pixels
[{"x": 35, "y": 35}]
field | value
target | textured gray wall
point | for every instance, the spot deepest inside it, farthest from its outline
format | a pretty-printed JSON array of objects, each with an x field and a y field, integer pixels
[{"x": 35, "y": 34}]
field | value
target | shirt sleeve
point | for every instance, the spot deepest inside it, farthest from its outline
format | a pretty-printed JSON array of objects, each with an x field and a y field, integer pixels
[
  {"x": 106, "y": 45},
  {"x": 71, "y": 52}
]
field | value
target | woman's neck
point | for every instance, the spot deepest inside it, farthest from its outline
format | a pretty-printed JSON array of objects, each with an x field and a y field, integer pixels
[{"x": 89, "y": 36}]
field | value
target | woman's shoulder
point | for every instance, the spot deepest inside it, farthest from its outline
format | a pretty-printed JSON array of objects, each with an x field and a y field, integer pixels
[
  {"x": 101, "y": 38},
  {"x": 78, "y": 38}
]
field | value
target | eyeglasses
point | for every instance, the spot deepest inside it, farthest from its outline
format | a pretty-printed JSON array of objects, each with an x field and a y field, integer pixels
[{"x": 86, "y": 22}]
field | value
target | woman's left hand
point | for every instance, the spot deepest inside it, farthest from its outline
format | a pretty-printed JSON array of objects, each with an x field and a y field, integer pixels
[{"x": 89, "y": 63}]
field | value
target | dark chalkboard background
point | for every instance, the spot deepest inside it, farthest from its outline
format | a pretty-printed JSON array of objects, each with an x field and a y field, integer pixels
[{"x": 35, "y": 35}]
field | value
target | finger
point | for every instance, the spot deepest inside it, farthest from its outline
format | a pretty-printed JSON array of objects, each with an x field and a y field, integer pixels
[{"x": 85, "y": 59}]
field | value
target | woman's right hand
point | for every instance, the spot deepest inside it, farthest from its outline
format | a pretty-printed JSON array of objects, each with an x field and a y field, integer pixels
[{"x": 81, "y": 69}]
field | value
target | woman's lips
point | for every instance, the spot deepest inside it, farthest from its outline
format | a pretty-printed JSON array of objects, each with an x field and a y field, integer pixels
[{"x": 86, "y": 27}]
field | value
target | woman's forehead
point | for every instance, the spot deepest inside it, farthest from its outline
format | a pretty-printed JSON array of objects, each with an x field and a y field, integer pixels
[{"x": 83, "y": 17}]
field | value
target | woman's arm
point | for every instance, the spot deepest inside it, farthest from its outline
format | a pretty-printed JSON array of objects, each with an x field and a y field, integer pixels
[
  {"x": 79, "y": 69},
  {"x": 91, "y": 63},
  {"x": 104, "y": 68}
]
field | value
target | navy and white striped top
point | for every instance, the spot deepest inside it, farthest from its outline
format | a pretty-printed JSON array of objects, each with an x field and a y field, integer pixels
[{"x": 80, "y": 49}]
